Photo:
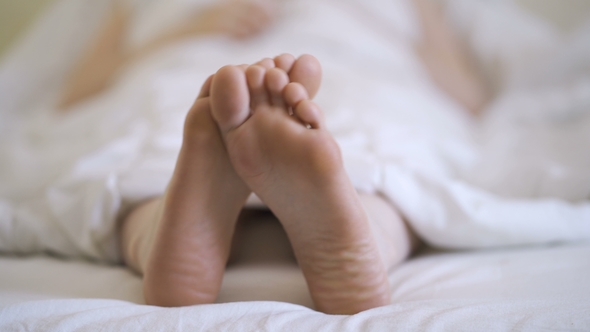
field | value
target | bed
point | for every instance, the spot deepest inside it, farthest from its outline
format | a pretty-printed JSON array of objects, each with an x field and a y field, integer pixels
[
  {"x": 524, "y": 289},
  {"x": 513, "y": 238}
]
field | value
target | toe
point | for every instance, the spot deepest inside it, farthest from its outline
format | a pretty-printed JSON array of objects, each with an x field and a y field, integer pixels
[
  {"x": 285, "y": 62},
  {"x": 307, "y": 71},
  {"x": 310, "y": 114},
  {"x": 276, "y": 80},
  {"x": 229, "y": 98},
  {"x": 258, "y": 95},
  {"x": 294, "y": 93},
  {"x": 306, "y": 111},
  {"x": 266, "y": 63}
]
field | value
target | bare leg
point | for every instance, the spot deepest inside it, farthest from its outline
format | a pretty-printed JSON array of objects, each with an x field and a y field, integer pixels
[
  {"x": 394, "y": 238},
  {"x": 259, "y": 236},
  {"x": 102, "y": 59},
  {"x": 105, "y": 56},
  {"x": 297, "y": 171},
  {"x": 448, "y": 61},
  {"x": 181, "y": 242}
]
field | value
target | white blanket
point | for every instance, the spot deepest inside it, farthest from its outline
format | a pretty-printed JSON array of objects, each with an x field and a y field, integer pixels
[
  {"x": 527, "y": 289},
  {"x": 511, "y": 179}
]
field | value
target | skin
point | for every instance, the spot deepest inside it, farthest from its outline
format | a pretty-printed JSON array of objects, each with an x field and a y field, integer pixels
[{"x": 292, "y": 163}]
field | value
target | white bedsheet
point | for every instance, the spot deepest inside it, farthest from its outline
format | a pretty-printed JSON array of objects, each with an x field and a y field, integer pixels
[
  {"x": 520, "y": 289},
  {"x": 512, "y": 179}
]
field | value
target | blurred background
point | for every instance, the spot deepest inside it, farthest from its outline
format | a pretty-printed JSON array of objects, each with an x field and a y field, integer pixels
[{"x": 16, "y": 15}]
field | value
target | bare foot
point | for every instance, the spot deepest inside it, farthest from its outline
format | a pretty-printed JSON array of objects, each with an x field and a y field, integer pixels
[
  {"x": 294, "y": 165},
  {"x": 199, "y": 211}
]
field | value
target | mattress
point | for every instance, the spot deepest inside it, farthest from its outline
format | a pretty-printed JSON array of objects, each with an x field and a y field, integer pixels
[{"x": 523, "y": 289}]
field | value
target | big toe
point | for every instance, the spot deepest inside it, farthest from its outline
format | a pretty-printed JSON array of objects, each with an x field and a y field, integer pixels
[
  {"x": 307, "y": 71},
  {"x": 230, "y": 101}
]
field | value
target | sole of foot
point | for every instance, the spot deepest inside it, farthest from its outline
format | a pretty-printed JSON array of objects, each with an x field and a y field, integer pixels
[
  {"x": 203, "y": 200},
  {"x": 281, "y": 149}
]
